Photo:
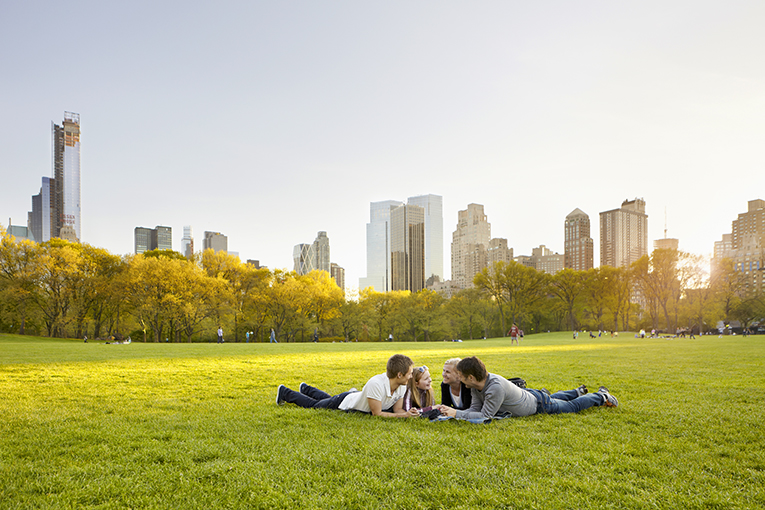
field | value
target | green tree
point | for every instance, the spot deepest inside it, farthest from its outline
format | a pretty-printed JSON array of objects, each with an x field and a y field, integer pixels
[
  {"x": 466, "y": 309},
  {"x": 58, "y": 282},
  {"x": 18, "y": 277},
  {"x": 567, "y": 285},
  {"x": 491, "y": 282}
]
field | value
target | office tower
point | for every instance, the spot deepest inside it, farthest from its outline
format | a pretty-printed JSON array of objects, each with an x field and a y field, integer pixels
[
  {"x": 338, "y": 274},
  {"x": 215, "y": 241},
  {"x": 666, "y": 244},
  {"x": 407, "y": 243},
  {"x": 66, "y": 173},
  {"x": 578, "y": 245},
  {"x": 302, "y": 258},
  {"x": 321, "y": 252},
  {"x": 162, "y": 238},
  {"x": 546, "y": 261},
  {"x": 498, "y": 251},
  {"x": 310, "y": 257},
  {"x": 42, "y": 219},
  {"x": 142, "y": 239},
  {"x": 158, "y": 238},
  {"x": 187, "y": 242},
  {"x": 434, "y": 232},
  {"x": 470, "y": 242},
  {"x": 623, "y": 234},
  {"x": 378, "y": 246},
  {"x": 748, "y": 246}
]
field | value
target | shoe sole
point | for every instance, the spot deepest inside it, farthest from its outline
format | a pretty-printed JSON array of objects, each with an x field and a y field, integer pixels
[
  {"x": 279, "y": 401},
  {"x": 300, "y": 388}
]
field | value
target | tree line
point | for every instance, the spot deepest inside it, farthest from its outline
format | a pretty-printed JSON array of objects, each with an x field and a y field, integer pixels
[{"x": 64, "y": 289}]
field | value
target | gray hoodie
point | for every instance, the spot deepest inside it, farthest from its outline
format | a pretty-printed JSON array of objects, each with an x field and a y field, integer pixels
[{"x": 500, "y": 398}]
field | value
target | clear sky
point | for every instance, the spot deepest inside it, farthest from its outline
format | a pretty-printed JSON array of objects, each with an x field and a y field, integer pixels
[{"x": 271, "y": 121}]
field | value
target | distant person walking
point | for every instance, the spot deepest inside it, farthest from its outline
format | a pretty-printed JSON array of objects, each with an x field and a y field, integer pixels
[
  {"x": 514, "y": 332},
  {"x": 273, "y": 337},
  {"x": 315, "y": 335},
  {"x": 220, "y": 335}
]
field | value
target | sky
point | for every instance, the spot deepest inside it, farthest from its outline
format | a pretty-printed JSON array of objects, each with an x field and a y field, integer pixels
[{"x": 272, "y": 121}]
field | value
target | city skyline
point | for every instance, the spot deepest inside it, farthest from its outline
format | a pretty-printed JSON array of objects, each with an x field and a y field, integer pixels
[{"x": 304, "y": 114}]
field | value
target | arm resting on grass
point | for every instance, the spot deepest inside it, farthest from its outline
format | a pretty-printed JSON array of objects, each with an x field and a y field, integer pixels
[{"x": 398, "y": 409}]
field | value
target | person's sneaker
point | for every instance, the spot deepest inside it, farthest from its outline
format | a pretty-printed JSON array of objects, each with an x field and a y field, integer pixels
[
  {"x": 581, "y": 390},
  {"x": 610, "y": 400},
  {"x": 279, "y": 399},
  {"x": 353, "y": 390},
  {"x": 301, "y": 387}
]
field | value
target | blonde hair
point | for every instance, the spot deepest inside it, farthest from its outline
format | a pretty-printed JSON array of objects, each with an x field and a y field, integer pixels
[
  {"x": 452, "y": 361},
  {"x": 419, "y": 397}
]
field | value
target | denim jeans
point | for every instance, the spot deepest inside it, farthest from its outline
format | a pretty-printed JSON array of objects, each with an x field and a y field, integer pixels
[
  {"x": 314, "y": 398},
  {"x": 567, "y": 401}
]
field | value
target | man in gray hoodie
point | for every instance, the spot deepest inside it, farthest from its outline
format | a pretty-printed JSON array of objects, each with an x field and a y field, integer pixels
[{"x": 494, "y": 396}]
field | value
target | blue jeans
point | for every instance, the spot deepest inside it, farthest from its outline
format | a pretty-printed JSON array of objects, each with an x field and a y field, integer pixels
[
  {"x": 314, "y": 398},
  {"x": 567, "y": 401}
]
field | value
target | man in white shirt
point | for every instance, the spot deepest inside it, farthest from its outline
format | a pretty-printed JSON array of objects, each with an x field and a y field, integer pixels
[{"x": 381, "y": 396}]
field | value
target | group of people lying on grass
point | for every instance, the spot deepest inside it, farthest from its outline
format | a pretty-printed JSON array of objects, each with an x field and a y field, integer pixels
[{"x": 468, "y": 392}]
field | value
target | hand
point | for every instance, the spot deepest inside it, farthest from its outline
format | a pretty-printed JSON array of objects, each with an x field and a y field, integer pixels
[
  {"x": 413, "y": 413},
  {"x": 448, "y": 411}
]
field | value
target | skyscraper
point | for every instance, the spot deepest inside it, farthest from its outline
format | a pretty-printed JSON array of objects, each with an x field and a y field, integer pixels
[
  {"x": 141, "y": 239},
  {"x": 623, "y": 234},
  {"x": 378, "y": 246},
  {"x": 66, "y": 173},
  {"x": 215, "y": 241},
  {"x": 498, "y": 251},
  {"x": 42, "y": 219},
  {"x": 748, "y": 246},
  {"x": 470, "y": 243},
  {"x": 407, "y": 244},
  {"x": 578, "y": 245},
  {"x": 56, "y": 210},
  {"x": 310, "y": 257},
  {"x": 158, "y": 238},
  {"x": 433, "y": 206},
  {"x": 338, "y": 274},
  {"x": 187, "y": 242}
]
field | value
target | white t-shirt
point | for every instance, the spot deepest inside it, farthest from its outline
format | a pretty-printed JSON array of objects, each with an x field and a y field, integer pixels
[
  {"x": 456, "y": 399},
  {"x": 377, "y": 388}
]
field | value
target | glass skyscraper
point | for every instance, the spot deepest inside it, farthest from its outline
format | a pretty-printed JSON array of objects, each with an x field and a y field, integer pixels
[
  {"x": 378, "y": 246},
  {"x": 434, "y": 233},
  {"x": 66, "y": 173}
]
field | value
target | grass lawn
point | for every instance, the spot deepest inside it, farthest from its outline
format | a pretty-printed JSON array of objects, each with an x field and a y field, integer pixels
[{"x": 196, "y": 426}]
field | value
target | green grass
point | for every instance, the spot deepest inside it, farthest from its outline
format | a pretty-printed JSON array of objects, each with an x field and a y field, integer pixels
[{"x": 195, "y": 426}]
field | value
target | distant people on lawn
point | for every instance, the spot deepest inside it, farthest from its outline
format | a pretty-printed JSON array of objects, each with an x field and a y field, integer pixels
[
  {"x": 494, "y": 396},
  {"x": 454, "y": 393},
  {"x": 514, "y": 332},
  {"x": 273, "y": 337},
  {"x": 419, "y": 390},
  {"x": 220, "y": 335},
  {"x": 381, "y": 396}
]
